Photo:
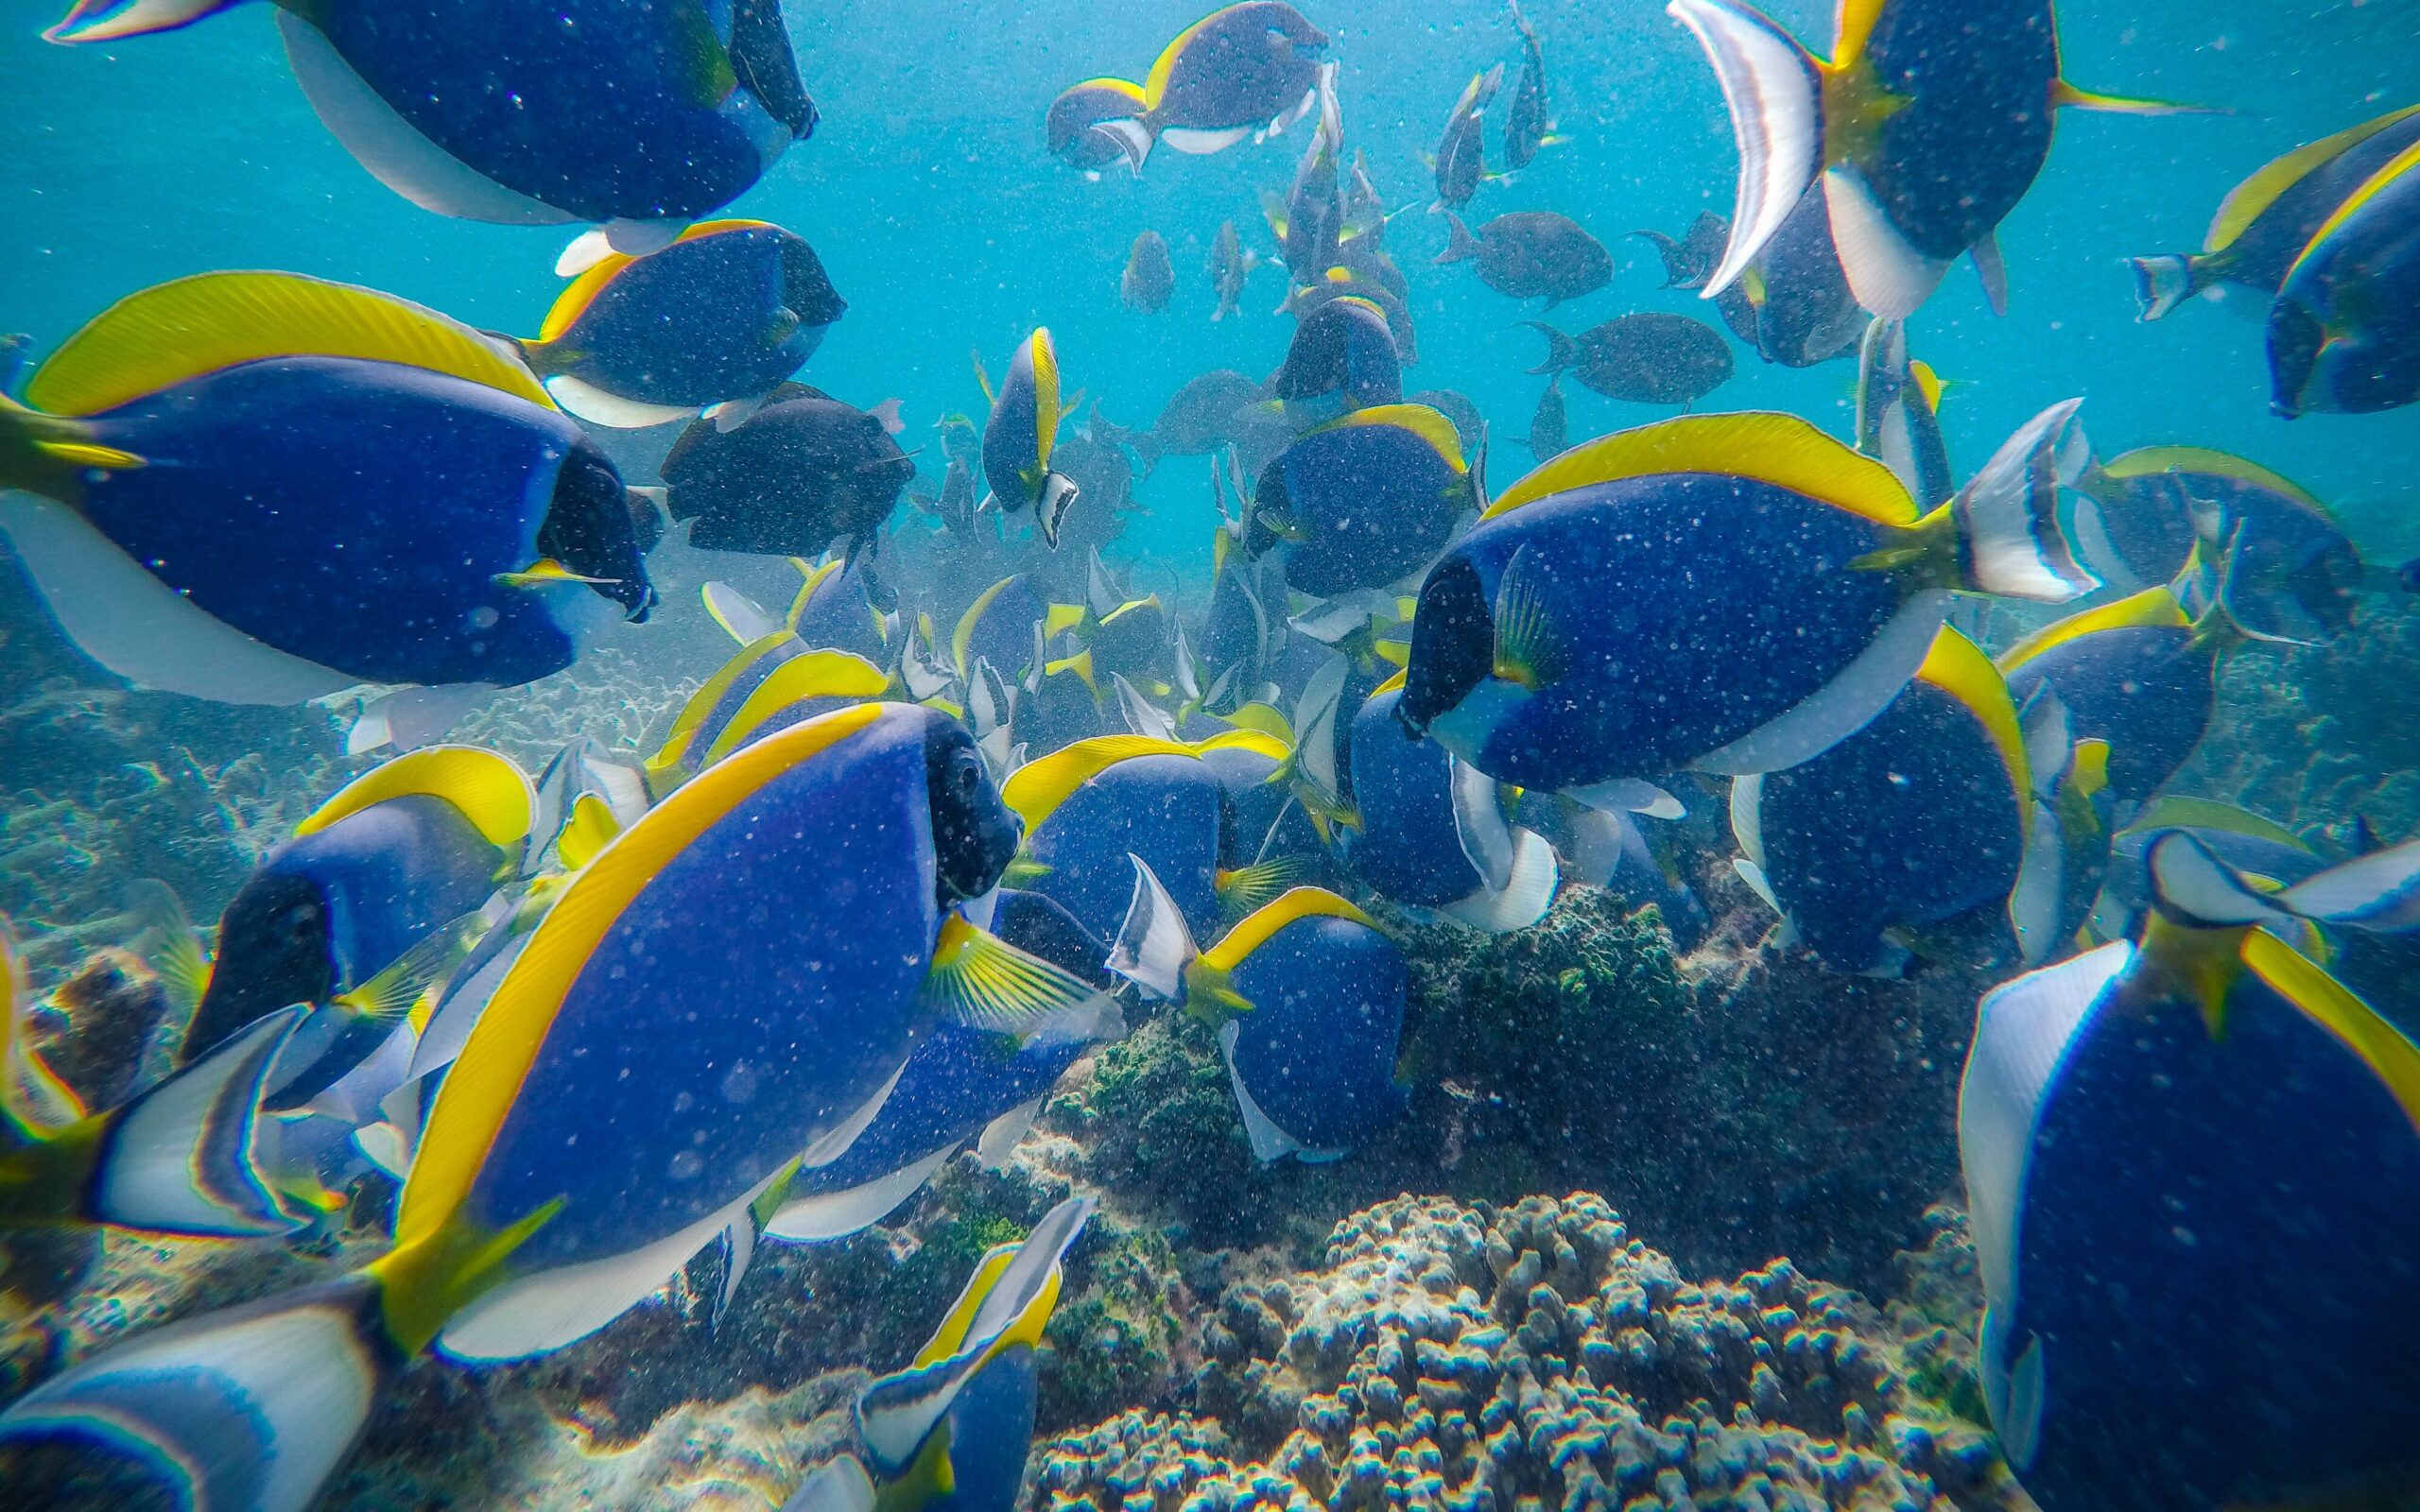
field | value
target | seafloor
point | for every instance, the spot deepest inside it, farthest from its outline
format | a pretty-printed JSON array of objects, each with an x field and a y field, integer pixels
[{"x": 1657, "y": 1230}]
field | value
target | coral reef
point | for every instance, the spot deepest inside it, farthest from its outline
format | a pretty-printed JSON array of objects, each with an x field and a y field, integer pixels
[{"x": 1482, "y": 1358}]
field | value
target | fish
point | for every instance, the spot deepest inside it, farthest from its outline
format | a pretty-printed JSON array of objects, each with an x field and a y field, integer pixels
[
  {"x": 1150, "y": 278},
  {"x": 1812, "y": 592},
  {"x": 1530, "y": 254},
  {"x": 1898, "y": 416},
  {"x": 640, "y": 123},
  {"x": 1307, "y": 995},
  {"x": 1549, "y": 434},
  {"x": 842, "y": 606},
  {"x": 998, "y": 625},
  {"x": 1343, "y": 357},
  {"x": 408, "y": 850},
  {"x": 1343, "y": 282},
  {"x": 1913, "y": 823},
  {"x": 2293, "y": 572},
  {"x": 1017, "y": 438},
  {"x": 1132, "y": 639},
  {"x": 2137, "y": 676},
  {"x": 1646, "y": 358},
  {"x": 1230, "y": 264},
  {"x": 1361, "y": 501},
  {"x": 1365, "y": 211},
  {"x": 1527, "y": 123},
  {"x": 260, "y": 488},
  {"x": 2265, "y": 222},
  {"x": 1796, "y": 297},
  {"x": 1073, "y": 126},
  {"x": 1241, "y": 71},
  {"x": 1205, "y": 414},
  {"x": 1924, "y": 130},
  {"x": 2152, "y": 1130},
  {"x": 952, "y": 1433},
  {"x": 874, "y": 825},
  {"x": 1691, "y": 260},
  {"x": 1461, "y": 151},
  {"x": 1469, "y": 426},
  {"x": 778, "y": 677},
  {"x": 1428, "y": 833},
  {"x": 2344, "y": 330},
  {"x": 1310, "y": 222},
  {"x": 802, "y": 473},
  {"x": 1088, "y": 805},
  {"x": 719, "y": 318}
]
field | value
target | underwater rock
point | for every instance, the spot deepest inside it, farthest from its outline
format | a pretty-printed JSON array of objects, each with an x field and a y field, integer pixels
[{"x": 1477, "y": 1358}]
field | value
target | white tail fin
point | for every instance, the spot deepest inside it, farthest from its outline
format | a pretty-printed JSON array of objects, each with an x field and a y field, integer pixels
[
  {"x": 1155, "y": 946},
  {"x": 2008, "y": 516},
  {"x": 1775, "y": 97}
]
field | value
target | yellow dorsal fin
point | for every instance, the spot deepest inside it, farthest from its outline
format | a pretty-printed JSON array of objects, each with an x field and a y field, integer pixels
[
  {"x": 1061, "y": 618},
  {"x": 1255, "y": 929},
  {"x": 811, "y": 579},
  {"x": 812, "y": 675},
  {"x": 1047, "y": 412},
  {"x": 2151, "y": 607},
  {"x": 1265, "y": 718},
  {"x": 2319, "y": 997},
  {"x": 1927, "y": 383},
  {"x": 2403, "y": 162},
  {"x": 2172, "y": 811},
  {"x": 1130, "y": 606},
  {"x": 1393, "y": 684},
  {"x": 592, "y": 824},
  {"x": 1276, "y": 747},
  {"x": 1429, "y": 425},
  {"x": 1155, "y": 83},
  {"x": 1960, "y": 668},
  {"x": 1852, "y": 29},
  {"x": 1081, "y": 664},
  {"x": 1036, "y": 789},
  {"x": 1782, "y": 450},
  {"x": 165, "y": 334},
  {"x": 2145, "y": 461},
  {"x": 693, "y": 714},
  {"x": 960, "y": 638},
  {"x": 2244, "y": 203},
  {"x": 951, "y": 1337},
  {"x": 492, "y": 792}
]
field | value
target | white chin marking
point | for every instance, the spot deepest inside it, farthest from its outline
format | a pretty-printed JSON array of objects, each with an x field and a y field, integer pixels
[
  {"x": 1846, "y": 704},
  {"x": 587, "y": 402}
]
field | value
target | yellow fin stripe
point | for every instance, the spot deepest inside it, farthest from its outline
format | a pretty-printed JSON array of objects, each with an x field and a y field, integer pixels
[
  {"x": 1155, "y": 83},
  {"x": 813, "y": 580},
  {"x": 492, "y": 792},
  {"x": 1247, "y": 737},
  {"x": 579, "y": 293},
  {"x": 1265, "y": 719},
  {"x": 1853, "y": 30},
  {"x": 2172, "y": 811},
  {"x": 1960, "y": 668},
  {"x": 1116, "y": 86},
  {"x": 1782, "y": 450},
  {"x": 2153, "y": 607},
  {"x": 164, "y": 335},
  {"x": 2244, "y": 203},
  {"x": 693, "y": 714},
  {"x": 1061, "y": 618},
  {"x": 1036, "y": 789},
  {"x": 960, "y": 638},
  {"x": 1296, "y": 905},
  {"x": 2150, "y": 460},
  {"x": 1045, "y": 395},
  {"x": 1393, "y": 684},
  {"x": 1429, "y": 425},
  {"x": 951, "y": 1337},
  {"x": 2391, "y": 1056},
  {"x": 816, "y": 674},
  {"x": 2404, "y": 163},
  {"x": 1130, "y": 607},
  {"x": 480, "y": 1090}
]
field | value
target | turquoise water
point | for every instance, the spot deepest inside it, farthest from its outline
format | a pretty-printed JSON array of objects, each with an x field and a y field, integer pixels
[{"x": 1480, "y": 1297}]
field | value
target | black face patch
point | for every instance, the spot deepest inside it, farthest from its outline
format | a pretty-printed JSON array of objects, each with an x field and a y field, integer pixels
[
  {"x": 591, "y": 529},
  {"x": 974, "y": 834},
  {"x": 1453, "y": 641},
  {"x": 272, "y": 951}
]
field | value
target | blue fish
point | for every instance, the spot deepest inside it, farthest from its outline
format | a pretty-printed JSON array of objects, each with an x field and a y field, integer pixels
[
  {"x": 1429, "y": 833},
  {"x": 261, "y": 488},
  {"x": 1307, "y": 994},
  {"x": 776, "y": 680},
  {"x": 1363, "y": 500},
  {"x": 1343, "y": 358},
  {"x": 1017, "y": 438},
  {"x": 2344, "y": 332},
  {"x": 717, "y": 319},
  {"x": 1898, "y": 415},
  {"x": 2190, "y": 1160},
  {"x": 792, "y": 478},
  {"x": 2137, "y": 676},
  {"x": 1239, "y": 71},
  {"x": 581, "y": 1151},
  {"x": 1914, "y": 823},
  {"x": 1729, "y": 593},
  {"x": 641, "y": 117},
  {"x": 952, "y": 1431},
  {"x": 1073, "y": 126}
]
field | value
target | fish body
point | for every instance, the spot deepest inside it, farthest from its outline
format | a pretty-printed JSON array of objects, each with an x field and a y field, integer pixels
[
  {"x": 1748, "y": 559},
  {"x": 1150, "y": 278},
  {"x": 2135, "y": 675},
  {"x": 1073, "y": 126},
  {"x": 1915, "y": 821},
  {"x": 1343, "y": 358},
  {"x": 2344, "y": 332},
  {"x": 1230, "y": 264},
  {"x": 801, "y": 474},
  {"x": 2265, "y": 222},
  {"x": 420, "y": 843},
  {"x": 2152, "y": 1133},
  {"x": 727, "y": 312},
  {"x": 1646, "y": 358},
  {"x": 1311, "y": 223},
  {"x": 1360, "y": 502},
  {"x": 1205, "y": 412},
  {"x": 1928, "y": 123},
  {"x": 1343, "y": 281},
  {"x": 1128, "y": 795},
  {"x": 1527, "y": 123},
  {"x": 1690, "y": 262},
  {"x": 1017, "y": 438},
  {"x": 1470, "y": 427},
  {"x": 243, "y": 508},
  {"x": 1532, "y": 254},
  {"x": 1461, "y": 151},
  {"x": 1804, "y": 309},
  {"x": 598, "y": 110},
  {"x": 1240, "y": 70},
  {"x": 1899, "y": 419},
  {"x": 998, "y": 627},
  {"x": 1549, "y": 426}
]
